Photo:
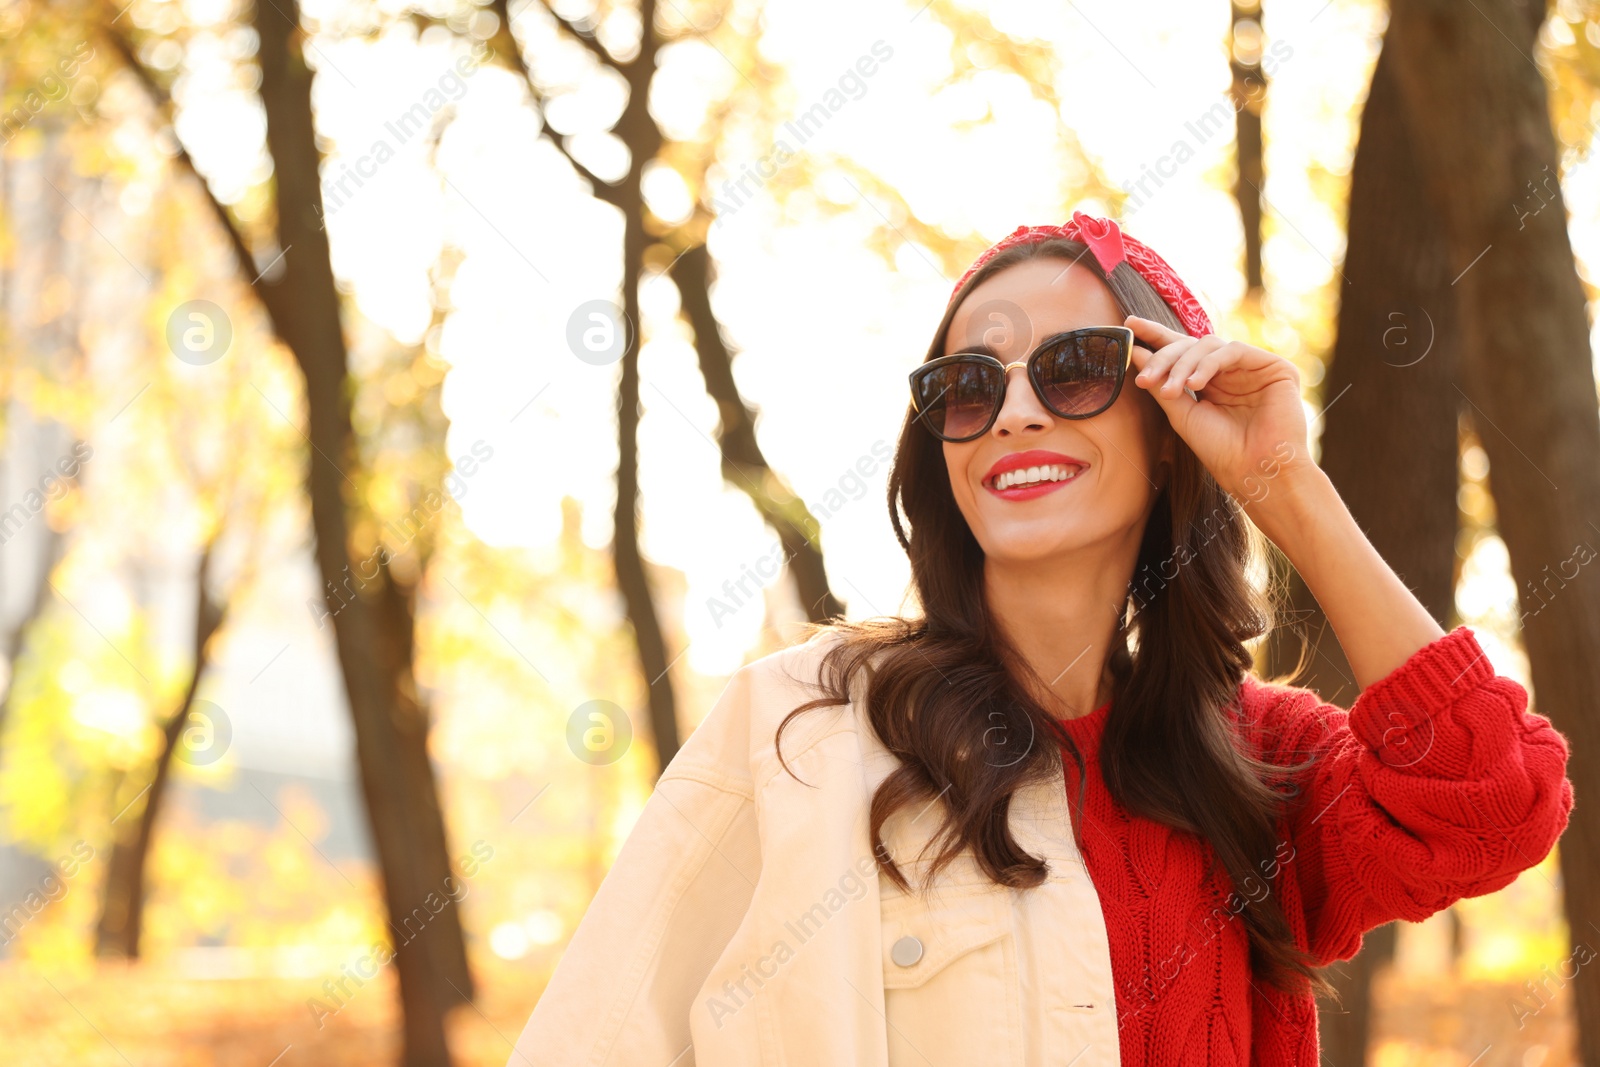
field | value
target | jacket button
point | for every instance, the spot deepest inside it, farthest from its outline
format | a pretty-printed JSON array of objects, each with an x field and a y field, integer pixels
[{"x": 906, "y": 951}]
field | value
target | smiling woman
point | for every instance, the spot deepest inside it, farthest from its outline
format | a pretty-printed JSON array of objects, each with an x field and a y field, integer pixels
[{"x": 1098, "y": 837}]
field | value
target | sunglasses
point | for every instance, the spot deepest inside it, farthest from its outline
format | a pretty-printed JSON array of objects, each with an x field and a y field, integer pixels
[{"x": 1076, "y": 375}]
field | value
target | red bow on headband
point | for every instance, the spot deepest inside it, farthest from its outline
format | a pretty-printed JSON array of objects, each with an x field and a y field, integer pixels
[{"x": 1110, "y": 247}]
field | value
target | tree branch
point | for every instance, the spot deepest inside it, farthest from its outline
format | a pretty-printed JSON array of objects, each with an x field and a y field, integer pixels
[
  {"x": 161, "y": 100},
  {"x": 603, "y": 190},
  {"x": 744, "y": 465},
  {"x": 588, "y": 41}
]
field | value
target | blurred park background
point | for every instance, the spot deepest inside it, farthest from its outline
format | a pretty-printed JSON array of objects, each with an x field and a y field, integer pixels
[{"x": 414, "y": 411}]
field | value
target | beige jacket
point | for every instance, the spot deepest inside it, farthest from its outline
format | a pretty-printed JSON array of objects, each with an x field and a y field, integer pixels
[{"x": 744, "y": 923}]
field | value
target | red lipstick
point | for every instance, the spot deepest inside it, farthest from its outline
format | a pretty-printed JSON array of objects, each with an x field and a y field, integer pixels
[{"x": 1033, "y": 458}]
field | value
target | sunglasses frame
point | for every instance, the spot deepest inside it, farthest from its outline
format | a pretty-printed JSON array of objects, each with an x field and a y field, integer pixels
[{"x": 1124, "y": 333}]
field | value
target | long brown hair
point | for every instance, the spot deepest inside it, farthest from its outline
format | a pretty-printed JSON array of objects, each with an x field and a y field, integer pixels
[{"x": 941, "y": 688}]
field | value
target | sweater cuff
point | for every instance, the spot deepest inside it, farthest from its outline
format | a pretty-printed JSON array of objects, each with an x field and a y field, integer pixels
[{"x": 1408, "y": 697}]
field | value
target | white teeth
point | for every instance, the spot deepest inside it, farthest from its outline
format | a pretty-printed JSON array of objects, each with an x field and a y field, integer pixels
[{"x": 1056, "y": 472}]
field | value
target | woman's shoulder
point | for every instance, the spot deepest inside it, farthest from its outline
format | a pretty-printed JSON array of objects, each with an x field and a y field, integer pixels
[
  {"x": 1282, "y": 721},
  {"x": 780, "y": 680},
  {"x": 799, "y": 661},
  {"x": 737, "y": 737},
  {"x": 1265, "y": 698}
]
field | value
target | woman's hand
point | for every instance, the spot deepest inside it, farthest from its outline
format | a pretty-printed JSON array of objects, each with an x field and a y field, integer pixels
[
  {"x": 1249, "y": 429},
  {"x": 1248, "y": 426}
]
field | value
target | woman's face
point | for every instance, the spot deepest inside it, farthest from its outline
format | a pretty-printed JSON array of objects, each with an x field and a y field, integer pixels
[{"x": 1113, "y": 459}]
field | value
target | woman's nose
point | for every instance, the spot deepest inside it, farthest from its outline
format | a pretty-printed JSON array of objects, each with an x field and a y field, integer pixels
[{"x": 1021, "y": 408}]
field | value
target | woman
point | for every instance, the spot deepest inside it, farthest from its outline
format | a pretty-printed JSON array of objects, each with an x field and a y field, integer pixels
[{"x": 1055, "y": 819}]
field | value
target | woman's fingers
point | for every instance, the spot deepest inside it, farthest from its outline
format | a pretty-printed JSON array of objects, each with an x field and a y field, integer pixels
[
  {"x": 1155, "y": 365},
  {"x": 1181, "y": 362},
  {"x": 1203, "y": 371},
  {"x": 1188, "y": 362},
  {"x": 1151, "y": 331},
  {"x": 1165, "y": 371}
]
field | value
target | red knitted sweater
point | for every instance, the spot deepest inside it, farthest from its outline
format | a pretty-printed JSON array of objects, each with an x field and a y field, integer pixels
[{"x": 1437, "y": 784}]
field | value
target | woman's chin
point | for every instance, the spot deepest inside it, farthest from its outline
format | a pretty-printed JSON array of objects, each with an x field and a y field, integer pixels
[{"x": 1032, "y": 542}]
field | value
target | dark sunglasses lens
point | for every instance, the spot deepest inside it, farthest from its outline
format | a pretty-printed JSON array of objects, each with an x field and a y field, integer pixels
[
  {"x": 1079, "y": 375},
  {"x": 955, "y": 400}
]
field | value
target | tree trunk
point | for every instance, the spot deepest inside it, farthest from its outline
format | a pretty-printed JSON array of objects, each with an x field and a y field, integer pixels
[
  {"x": 632, "y": 578},
  {"x": 413, "y": 858},
  {"x": 639, "y": 132},
  {"x": 1249, "y": 93},
  {"x": 395, "y": 612},
  {"x": 1489, "y": 160},
  {"x": 122, "y": 905},
  {"x": 375, "y": 658},
  {"x": 743, "y": 465},
  {"x": 1389, "y": 442}
]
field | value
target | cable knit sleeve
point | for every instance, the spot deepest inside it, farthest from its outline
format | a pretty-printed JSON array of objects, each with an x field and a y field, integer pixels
[{"x": 1437, "y": 784}]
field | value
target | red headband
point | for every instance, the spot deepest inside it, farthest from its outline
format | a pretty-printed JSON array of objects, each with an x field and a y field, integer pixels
[{"x": 1110, "y": 247}]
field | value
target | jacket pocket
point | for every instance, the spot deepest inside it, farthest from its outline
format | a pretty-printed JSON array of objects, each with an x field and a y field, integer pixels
[{"x": 950, "y": 976}]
